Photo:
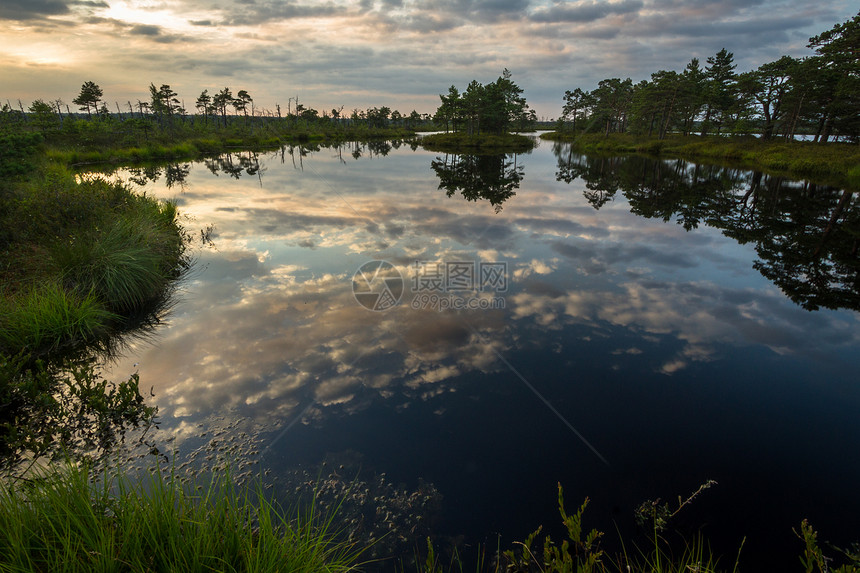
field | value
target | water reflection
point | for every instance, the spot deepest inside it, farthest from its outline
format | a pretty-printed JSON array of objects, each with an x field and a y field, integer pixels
[
  {"x": 174, "y": 174},
  {"x": 657, "y": 342},
  {"x": 271, "y": 326},
  {"x": 805, "y": 235},
  {"x": 247, "y": 163},
  {"x": 491, "y": 177}
]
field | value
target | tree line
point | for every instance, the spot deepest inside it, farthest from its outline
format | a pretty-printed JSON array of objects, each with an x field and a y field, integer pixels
[
  {"x": 817, "y": 95},
  {"x": 165, "y": 106}
]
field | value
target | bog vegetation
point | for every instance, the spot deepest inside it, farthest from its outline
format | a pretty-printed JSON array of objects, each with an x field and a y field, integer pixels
[
  {"x": 83, "y": 260},
  {"x": 818, "y": 95},
  {"x": 160, "y": 128}
]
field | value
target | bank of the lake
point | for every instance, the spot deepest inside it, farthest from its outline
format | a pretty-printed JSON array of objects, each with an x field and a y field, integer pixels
[
  {"x": 833, "y": 163},
  {"x": 83, "y": 261},
  {"x": 190, "y": 145},
  {"x": 161, "y": 520},
  {"x": 79, "y": 258},
  {"x": 458, "y": 142}
]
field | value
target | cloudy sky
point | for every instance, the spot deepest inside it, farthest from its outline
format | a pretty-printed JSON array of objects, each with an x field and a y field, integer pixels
[{"x": 399, "y": 53}]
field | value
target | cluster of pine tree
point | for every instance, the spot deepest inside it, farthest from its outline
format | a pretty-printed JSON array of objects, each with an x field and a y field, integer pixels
[
  {"x": 817, "y": 95},
  {"x": 495, "y": 108}
]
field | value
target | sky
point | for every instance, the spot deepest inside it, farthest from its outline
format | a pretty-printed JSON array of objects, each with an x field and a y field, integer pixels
[{"x": 370, "y": 53}]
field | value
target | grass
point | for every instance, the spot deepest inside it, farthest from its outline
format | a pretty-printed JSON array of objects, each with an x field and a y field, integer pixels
[
  {"x": 832, "y": 163},
  {"x": 483, "y": 143},
  {"x": 78, "y": 257},
  {"x": 123, "y": 265},
  {"x": 61, "y": 520},
  {"x": 48, "y": 319},
  {"x": 582, "y": 551},
  {"x": 82, "y": 261}
]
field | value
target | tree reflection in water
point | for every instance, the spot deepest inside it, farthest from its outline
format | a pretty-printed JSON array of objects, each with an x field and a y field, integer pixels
[
  {"x": 494, "y": 178},
  {"x": 805, "y": 235}
]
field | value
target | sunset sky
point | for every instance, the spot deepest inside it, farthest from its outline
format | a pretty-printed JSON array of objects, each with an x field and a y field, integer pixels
[{"x": 399, "y": 53}]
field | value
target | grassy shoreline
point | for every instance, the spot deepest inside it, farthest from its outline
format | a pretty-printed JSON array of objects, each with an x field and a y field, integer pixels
[
  {"x": 64, "y": 519},
  {"x": 161, "y": 520},
  {"x": 79, "y": 259},
  {"x": 82, "y": 262},
  {"x": 196, "y": 147},
  {"x": 832, "y": 163},
  {"x": 477, "y": 144}
]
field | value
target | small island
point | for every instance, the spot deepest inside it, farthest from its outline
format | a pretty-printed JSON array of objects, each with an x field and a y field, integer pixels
[{"x": 482, "y": 118}]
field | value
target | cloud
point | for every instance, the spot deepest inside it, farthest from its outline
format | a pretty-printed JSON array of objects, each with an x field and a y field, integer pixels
[
  {"x": 596, "y": 259},
  {"x": 32, "y": 9},
  {"x": 494, "y": 10},
  {"x": 703, "y": 316},
  {"x": 705, "y": 8},
  {"x": 584, "y": 11},
  {"x": 37, "y": 10},
  {"x": 145, "y": 30},
  {"x": 155, "y": 33},
  {"x": 256, "y": 13}
]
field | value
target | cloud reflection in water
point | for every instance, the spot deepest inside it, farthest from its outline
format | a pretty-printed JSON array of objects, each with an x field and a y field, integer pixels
[{"x": 268, "y": 325}]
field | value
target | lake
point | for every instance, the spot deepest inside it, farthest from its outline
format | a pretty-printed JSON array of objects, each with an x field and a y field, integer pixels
[{"x": 497, "y": 325}]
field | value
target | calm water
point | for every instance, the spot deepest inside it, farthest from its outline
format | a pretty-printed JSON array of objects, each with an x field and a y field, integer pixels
[{"x": 627, "y": 328}]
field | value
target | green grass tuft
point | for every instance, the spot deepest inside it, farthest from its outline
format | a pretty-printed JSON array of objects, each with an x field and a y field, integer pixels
[
  {"x": 48, "y": 318},
  {"x": 61, "y": 520},
  {"x": 86, "y": 252},
  {"x": 118, "y": 265}
]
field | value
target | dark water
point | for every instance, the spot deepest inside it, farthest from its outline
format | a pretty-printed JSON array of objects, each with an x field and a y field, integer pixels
[{"x": 625, "y": 327}]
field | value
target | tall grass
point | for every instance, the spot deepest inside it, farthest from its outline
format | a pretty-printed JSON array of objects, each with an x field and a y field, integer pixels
[
  {"x": 122, "y": 265},
  {"x": 48, "y": 318},
  {"x": 659, "y": 557},
  {"x": 80, "y": 257},
  {"x": 60, "y": 520}
]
